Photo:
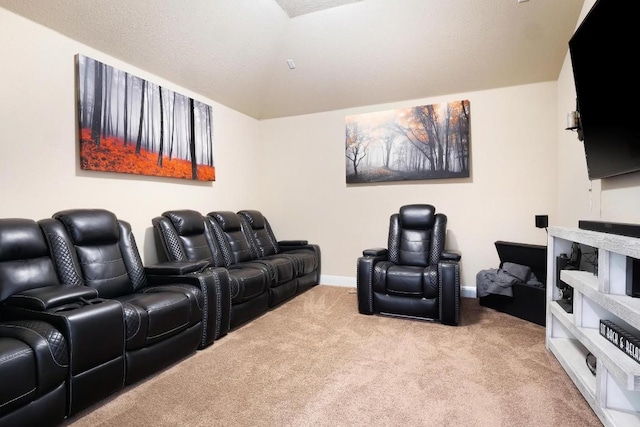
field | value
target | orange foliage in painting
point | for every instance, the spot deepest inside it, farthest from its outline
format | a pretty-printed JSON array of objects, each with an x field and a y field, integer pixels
[{"x": 113, "y": 156}]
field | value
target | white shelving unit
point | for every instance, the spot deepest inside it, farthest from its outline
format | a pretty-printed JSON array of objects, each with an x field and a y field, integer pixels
[{"x": 614, "y": 391}]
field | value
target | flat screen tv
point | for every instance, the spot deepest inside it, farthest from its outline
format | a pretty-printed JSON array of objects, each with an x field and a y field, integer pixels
[{"x": 604, "y": 54}]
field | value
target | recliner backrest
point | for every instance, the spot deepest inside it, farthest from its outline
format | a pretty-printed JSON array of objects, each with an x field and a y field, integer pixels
[
  {"x": 97, "y": 249},
  {"x": 25, "y": 261},
  {"x": 230, "y": 236},
  {"x": 417, "y": 235},
  {"x": 187, "y": 235},
  {"x": 262, "y": 238}
]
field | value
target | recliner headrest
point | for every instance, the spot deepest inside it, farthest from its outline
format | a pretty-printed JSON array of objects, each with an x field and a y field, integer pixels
[
  {"x": 417, "y": 217},
  {"x": 228, "y": 221},
  {"x": 90, "y": 226},
  {"x": 255, "y": 218},
  {"x": 186, "y": 222},
  {"x": 21, "y": 238}
]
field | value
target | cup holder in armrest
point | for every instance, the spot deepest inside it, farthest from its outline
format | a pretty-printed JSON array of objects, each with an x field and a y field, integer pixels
[
  {"x": 49, "y": 298},
  {"x": 65, "y": 307},
  {"x": 76, "y": 305}
]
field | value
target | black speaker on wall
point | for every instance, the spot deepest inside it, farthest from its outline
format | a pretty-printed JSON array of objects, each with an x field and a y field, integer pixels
[
  {"x": 542, "y": 221},
  {"x": 633, "y": 277}
]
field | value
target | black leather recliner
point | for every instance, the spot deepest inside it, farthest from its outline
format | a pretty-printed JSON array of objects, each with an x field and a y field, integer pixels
[
  {"x": 414, "y": 276},
  {"x": 163, "y": 322},
  {"x": 187, "y": 235},
  {"x": 237, "y": 249},
  {"x": 262, "y": 271},
  {"x": 306, "y": 256},
  {"x": 86, "y": 344}
]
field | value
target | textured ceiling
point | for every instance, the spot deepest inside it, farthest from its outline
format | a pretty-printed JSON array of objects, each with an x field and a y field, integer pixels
[{"x": 234, "y": 52}]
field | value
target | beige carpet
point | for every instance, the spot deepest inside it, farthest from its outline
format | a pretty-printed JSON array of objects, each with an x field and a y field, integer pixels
[{"x": 315, "y": 361}]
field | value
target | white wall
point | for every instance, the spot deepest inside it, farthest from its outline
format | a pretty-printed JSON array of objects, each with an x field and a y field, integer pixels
[
  {"x": 513, "y": 178},
  {"x": 39, "y": 166},
  {"x": 292, "y": 169},
  {"x": 614, "y": 199}
]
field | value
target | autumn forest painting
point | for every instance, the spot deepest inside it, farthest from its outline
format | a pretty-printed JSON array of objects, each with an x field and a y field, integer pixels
[
  {"x": 417, "y": 143},
  {"x": 130, "y": 125}
]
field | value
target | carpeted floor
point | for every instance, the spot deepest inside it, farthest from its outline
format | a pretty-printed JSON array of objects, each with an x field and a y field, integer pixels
[{"x": 315, "y": 361}]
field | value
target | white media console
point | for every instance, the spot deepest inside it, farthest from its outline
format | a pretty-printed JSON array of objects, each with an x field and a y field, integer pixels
[{"x": 614, "y": 391}]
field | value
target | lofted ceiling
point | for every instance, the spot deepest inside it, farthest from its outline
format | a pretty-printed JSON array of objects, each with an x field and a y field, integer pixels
[{"x": 347, "y": 53}]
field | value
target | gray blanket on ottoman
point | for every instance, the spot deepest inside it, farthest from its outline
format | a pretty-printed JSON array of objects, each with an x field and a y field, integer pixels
[{"x": 499, "y": 281}]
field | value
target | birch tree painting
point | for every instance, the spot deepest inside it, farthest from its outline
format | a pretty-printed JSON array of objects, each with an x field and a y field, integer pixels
[
  {"x": 417, "y": 143},
  {"x": 130, "y": 125}
]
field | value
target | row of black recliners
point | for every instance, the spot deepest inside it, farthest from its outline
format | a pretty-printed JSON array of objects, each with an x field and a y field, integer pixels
[{"x": 81, "y": 317}]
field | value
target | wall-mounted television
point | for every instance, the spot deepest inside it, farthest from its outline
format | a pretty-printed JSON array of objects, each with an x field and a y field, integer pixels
[{"x": 604, "y": 54}]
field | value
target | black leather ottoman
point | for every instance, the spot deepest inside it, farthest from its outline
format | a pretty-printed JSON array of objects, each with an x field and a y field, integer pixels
[{"x": 528, "y": 302}]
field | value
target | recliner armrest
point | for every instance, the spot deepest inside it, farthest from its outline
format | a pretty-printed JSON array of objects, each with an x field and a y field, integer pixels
[
  {"x": 50, "y": 297},
  {"x": 449, "y": 293},
  {"x": 49, "y": 347},
  {"x": 449, "y": 255},
  {"x": 375, "y": 252},
  {"x": 293, "y": 242},
  {"x": 176, "y": 267}
]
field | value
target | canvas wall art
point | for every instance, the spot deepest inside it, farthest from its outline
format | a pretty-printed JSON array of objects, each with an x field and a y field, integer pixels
[
  {"x": 130, "y": 125},
  {"x": 416, "y": 143}
]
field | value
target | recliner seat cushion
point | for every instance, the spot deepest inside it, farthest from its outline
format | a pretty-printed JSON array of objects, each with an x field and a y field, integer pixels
[
  {"x": 305, "y": 260},
  {"x": 406, "y": 280},
  {"x": 246, "y": 283},
  {"x": 159, "y": 315},
  {"x": 283, "y": 268}
]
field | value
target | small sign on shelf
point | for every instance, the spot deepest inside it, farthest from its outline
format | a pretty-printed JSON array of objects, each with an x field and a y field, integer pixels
[{"x": 625, "y": 341}]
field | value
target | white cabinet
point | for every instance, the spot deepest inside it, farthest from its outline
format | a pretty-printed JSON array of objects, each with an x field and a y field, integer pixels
[{"x": 614, "y": 391}]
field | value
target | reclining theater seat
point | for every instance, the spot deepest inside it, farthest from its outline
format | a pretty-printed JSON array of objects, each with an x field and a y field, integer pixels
[
  {"x": 34, "y": 359},
  {"x": 163, "y": 323},
  {"x": 237, "y": 249},
  {"x": 61, "y": 348},
  {"x": 306, "y": 257},
  {"x": 187, "y": 235},
  {"x": 414, "y": 277},
  {"x": 34, "y": 362}
]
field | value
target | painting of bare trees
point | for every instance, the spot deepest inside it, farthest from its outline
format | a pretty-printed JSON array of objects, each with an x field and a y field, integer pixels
[
  {"x": 130, "y": 125},
  {"x": 417, "y": 143}
]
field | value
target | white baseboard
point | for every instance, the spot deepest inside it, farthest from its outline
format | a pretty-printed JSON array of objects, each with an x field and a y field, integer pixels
[
  {"x": 350, "y": 282},
  {"x": 468, "y": 291}
]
